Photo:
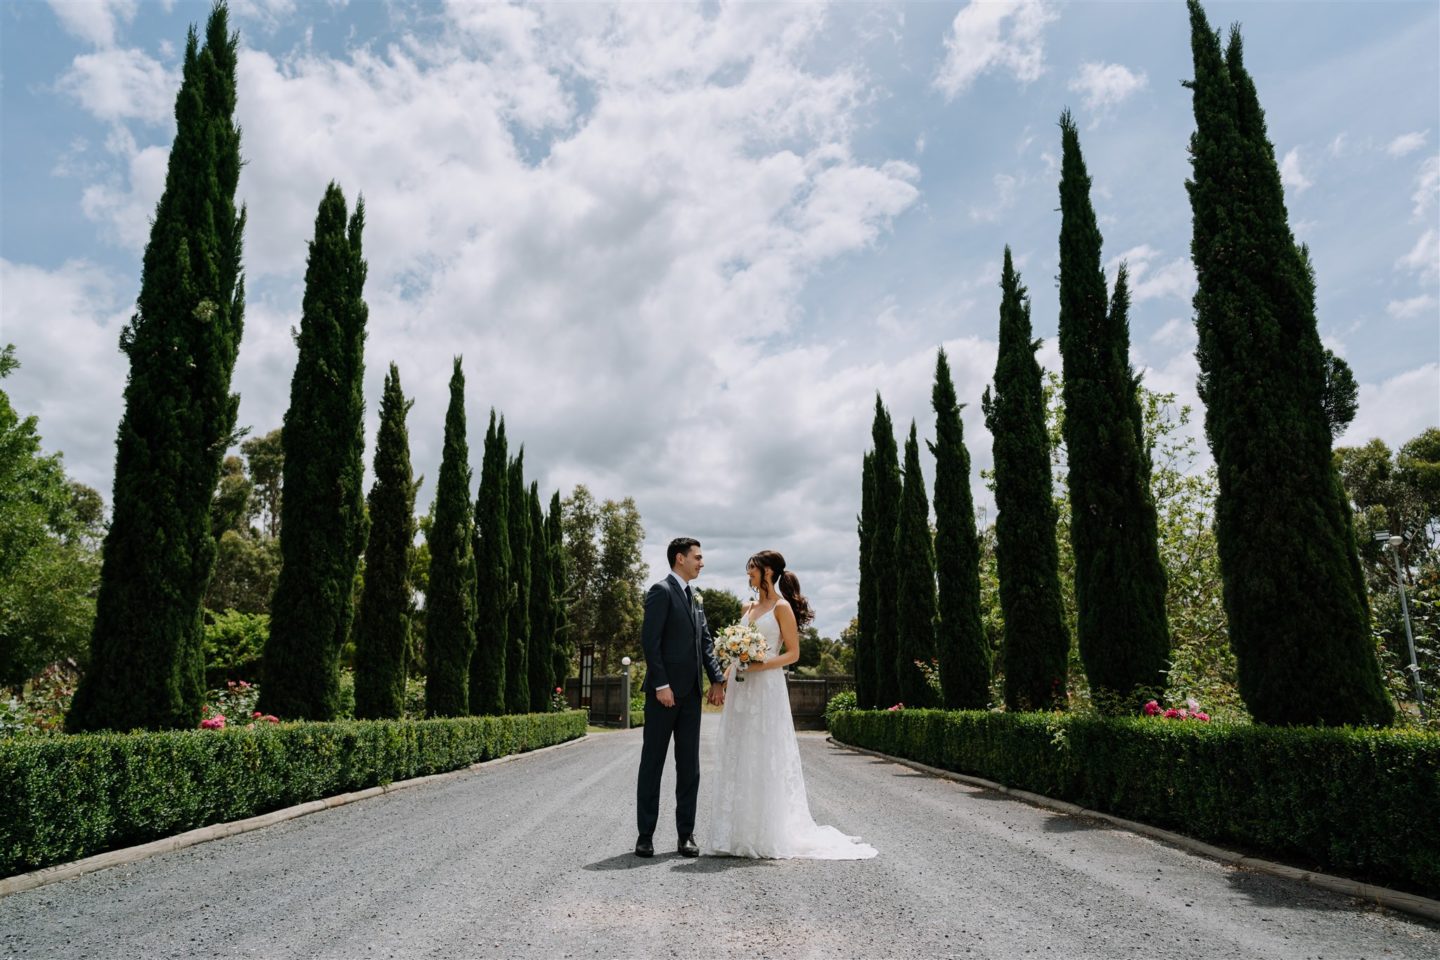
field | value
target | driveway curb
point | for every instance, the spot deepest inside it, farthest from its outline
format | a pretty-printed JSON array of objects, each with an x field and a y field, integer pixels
[
  {"x": 116, "y": 858},
  {"x": 1384, "y": 896}
]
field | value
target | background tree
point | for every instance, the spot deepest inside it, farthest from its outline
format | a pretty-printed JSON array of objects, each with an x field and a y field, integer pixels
[
  {"x": 619, "y": 590},
  {"x": 1294, "y": 589},
  {"x": 914, "y": 584},
  {"x": 561, "y": 652},
  {"x": 492, "y": 575},
  {"x": 450, "y": 600},
  {"x": 722, "y": 608},
  {"x": 323, "y": 532},
  {"x": 864, "y": 633},
  {"x": 581, "y": 522},
  {"x": 517, "y": 651},
  {"x": 382, "y": 633},
  {"x": 1036, "y": 644},
  {"x": 265, "y": 460},
  {"x": 885, "y": 684},
  {"x": 49, "y": 559},
  {"x": 230, "y": 507},
  {"x": 146, "y": 660},
  {"x": 541, "y": 652},
  {"x": 1119, "y": 583},
  {"x": 960, "y": 642}
]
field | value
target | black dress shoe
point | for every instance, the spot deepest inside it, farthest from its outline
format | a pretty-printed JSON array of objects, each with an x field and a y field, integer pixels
[
  {"x": 688, "y": 847},
  {"x": 644, "y": 847}
]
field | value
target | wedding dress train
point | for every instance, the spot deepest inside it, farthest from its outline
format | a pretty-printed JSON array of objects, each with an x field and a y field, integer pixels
[{"x": 759, "y": 807}]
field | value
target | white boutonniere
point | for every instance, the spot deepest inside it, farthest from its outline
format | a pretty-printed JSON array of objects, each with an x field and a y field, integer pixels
[{"x": 698, "y": 604}]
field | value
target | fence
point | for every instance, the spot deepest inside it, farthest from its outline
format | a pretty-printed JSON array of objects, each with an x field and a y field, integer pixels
[{"x": 808, "y": 696}]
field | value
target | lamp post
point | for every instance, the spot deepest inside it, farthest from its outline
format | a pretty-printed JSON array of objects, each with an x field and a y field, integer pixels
[
  {"x": 1395, "y": 542},
  {"x": 625, "y": 691}
]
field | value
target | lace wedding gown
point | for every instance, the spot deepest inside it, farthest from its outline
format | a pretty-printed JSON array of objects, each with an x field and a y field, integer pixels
[{"x": 758, "y": 805}]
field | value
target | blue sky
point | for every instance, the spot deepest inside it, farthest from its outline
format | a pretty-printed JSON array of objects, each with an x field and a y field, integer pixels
[{"x": 681, "y": 247}]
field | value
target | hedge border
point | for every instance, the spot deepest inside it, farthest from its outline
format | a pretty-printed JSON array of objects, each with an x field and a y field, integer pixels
[
  {"x": 1400, "y": 900},
  {"x": 97, "y": 776}
]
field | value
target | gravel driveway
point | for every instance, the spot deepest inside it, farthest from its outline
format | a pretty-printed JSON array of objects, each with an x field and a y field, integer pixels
[{"x": 531, "y": 859}]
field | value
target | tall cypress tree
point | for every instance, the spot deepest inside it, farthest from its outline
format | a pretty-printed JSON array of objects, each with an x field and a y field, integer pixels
[
  {"x": 914, "y": 584},
  {"x": 559, "y": 596},
  {"x": 382, "y": 629},
  {"x": 146, "y": 661},
  {"x": 1119, "y": 580},
  {"x": 517, "y": 654},
  {"x": 960, "y": 642},
  {"x": 322, "y": 512},
  {"x": 542, "y": 677},
  {"x": 1294, "y": 594},
  {"x": 450, "y": 600},
  {"x": 1037, "y": 644},
  {"x": 492, "y": 575},
  {"x": 865, "y": 604},
  {"x": 888, "y": 491}
]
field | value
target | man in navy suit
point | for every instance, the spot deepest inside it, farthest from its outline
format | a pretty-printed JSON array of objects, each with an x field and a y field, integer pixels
[{"x": 678, "y": 649}]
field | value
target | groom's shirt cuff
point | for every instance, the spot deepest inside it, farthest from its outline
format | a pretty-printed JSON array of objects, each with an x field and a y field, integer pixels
[{"x": 666, "y": 687}]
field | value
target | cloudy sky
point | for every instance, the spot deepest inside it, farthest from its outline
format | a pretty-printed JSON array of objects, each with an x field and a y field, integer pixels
[{"x": 681, "y": 246}]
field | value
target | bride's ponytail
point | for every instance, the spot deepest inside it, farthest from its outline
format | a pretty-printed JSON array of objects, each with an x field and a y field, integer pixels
[{"x": 789, "y": 585}]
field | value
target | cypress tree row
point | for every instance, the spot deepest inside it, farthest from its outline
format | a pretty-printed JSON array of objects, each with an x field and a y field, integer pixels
[
  {"x": 1119, "y": 580},
  {"x": 1037, "y": 644},
  {"x": 542, "y": 677},
  {"x": 517, "y": 654},
  {"x": 914, "y": 584},
  {"x": 450, "y": 601},
  {"x": 960, "y": 642},
  {"x": 1294, "y": 593},
  {"x": 865, "y": 604},
  {"x": 382, "y": 630},
  {"x": 492, "y": 576},
  {"x": 146, "y": 657},
  {"x": 322, "y": 512},
  {"x": 559, "y": 619},
  {"x": 885, "y": 684}
]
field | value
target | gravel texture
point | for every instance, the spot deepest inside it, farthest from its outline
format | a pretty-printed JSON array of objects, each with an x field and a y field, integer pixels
[{"x": 532, "y": 858}]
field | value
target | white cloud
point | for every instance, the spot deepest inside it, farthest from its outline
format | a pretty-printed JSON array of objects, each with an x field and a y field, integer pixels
[
  {"x": 1290, "y": 173},
  {"x": 1427, "y": 186},
  {"x": 1106, "y": 85},
  {"x": 94, "y": 21},
  {"x": 994, "y": 34},
  {"x": 1004, "y": 198},
  {"x": 1411, "y": 308},
  {"x": 1397, "y": 409},
  {"x": 1424, "y": 257},
  {"x": 1149, "y": 278},
  {"x": 1338, "y": 146},
  {"x": 1407, "y": 143},
  {"x": 116, "y": 85}
]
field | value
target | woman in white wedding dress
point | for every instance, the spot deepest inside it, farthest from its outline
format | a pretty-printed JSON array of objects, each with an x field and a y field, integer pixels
[{"x": 759, "y": 807}]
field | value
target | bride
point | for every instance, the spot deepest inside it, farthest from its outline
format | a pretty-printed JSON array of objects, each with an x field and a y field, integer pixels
[{"x": 759, "y": 807}]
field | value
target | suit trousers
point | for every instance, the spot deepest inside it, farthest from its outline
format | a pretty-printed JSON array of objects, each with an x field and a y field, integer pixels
[{"x": 662, "y": 724}]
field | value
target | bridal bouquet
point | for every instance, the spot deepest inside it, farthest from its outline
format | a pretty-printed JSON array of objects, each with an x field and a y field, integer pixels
[{"x": 740, "y": 644}]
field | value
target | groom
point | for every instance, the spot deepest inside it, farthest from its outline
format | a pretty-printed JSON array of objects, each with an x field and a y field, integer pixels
[{"x": 678, "y": 646}]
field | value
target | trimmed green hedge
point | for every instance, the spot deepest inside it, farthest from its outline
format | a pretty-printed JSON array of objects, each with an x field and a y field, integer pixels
[
  {"x": 1337, "y": 799},
  {"x": 66, "y": 797}
]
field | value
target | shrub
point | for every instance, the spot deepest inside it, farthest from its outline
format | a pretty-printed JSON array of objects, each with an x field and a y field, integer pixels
[
  {"x": 234, "y": 643},
  {"x": 67, "y": 797},
  {"x": 1355, "y": 800},
  {"x": 844, "y": 700}
]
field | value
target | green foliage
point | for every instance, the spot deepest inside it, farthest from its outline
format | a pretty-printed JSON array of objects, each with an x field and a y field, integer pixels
[
  {"x": 265, "y": 460},
  {"x": 230, "y": 507},
  {"x": 561, "y": 646},
  {"x": 146, "y": 666},
  {"x": 1294, "y": 590},
  {"x": 960, "y": 642},
  {"x": 382, "y": 633},
  {"x": 619, "y": 586},
  {"x": 915, "y": 584},
  {"x": 324, "y": 527},
  {"x": 840, "y": 703},
  {"x": 493, "y": 596},
  {"x": 884, "y": 685},
  {"x": 541, "y": 656},
  {"x": 1119, "y": 586},
  {"x": 580, "y": 520},
  {"x": 450, "y": 601},
  {"x": 517, "y": 652},
  {"x": 234, "y": 646},
  {"x": 722, "y": 608},
  {"x": 1337, "y": 799},
  {"x": 864, "y": 634},
  {"x": 1036, "y": 642},
  {"x": 70, "y": 797}
]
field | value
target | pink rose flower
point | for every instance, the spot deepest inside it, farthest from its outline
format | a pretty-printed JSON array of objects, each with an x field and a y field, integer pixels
[
  {"x": 1202, "y": 715},
  {"x": 271, "y": 718},
  {"x": 1151, "y": 708},
  {"x": 1171, "y": 714}
]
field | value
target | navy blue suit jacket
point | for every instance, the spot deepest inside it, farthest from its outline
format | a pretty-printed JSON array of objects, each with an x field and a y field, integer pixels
[{"x": 677, "y": 641}]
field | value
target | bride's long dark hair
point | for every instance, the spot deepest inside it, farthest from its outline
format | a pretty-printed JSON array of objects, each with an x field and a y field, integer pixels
[{"x": 786, "y": 582}]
